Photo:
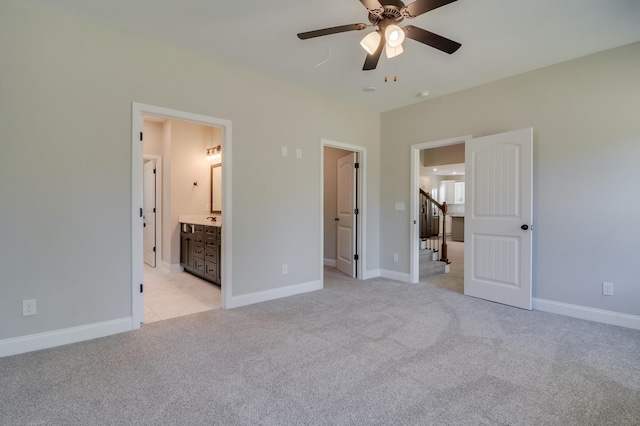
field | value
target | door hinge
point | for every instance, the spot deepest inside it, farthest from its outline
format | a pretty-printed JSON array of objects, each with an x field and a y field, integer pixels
[
  {"x": 356, "y": 211},
  {"x": 154, "y": 171},
  {"x": 154, "y": 249},
  {"x": 140, "y": 136},
  {"x": 356, "y": 165},
  {"x": 140, "y": 287},
  {"x": 355, "y": 257},
  {"x": 154, "y": 209},
  {"x": 140, "y": 211}
]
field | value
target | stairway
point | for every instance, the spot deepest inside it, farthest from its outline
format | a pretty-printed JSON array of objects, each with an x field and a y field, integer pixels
[{"x": 429, "y": 267}]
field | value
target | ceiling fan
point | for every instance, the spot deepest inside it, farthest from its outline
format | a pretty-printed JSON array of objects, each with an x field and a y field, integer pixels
[{"x": 386, "y": 14}]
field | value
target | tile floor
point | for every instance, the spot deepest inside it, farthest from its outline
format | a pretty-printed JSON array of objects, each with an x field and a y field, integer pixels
[{"x": 174, "y": 294}]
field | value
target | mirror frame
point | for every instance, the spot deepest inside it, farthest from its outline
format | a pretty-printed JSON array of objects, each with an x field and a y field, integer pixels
[{"x": 216, "y": 188}]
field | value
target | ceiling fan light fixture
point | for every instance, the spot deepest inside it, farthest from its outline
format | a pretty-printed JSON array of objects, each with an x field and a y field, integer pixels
[
  {"x": 371, "y": 42},
  {"x": 392, "y": 52},
  {"x": 394, "y": 35}
]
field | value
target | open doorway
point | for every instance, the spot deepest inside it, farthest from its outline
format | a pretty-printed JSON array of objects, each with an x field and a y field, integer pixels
[
  {"x": 437, "y": 235},
  {"x": 442, "y": 183},
  {"x": 169, "y": 289},
  {"x": 185, "y": 193},
  {"x": 343, "y": 212}
]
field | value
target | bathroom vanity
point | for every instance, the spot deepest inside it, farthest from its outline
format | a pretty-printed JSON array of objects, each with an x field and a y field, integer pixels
[{"x": 200, "y": 248}]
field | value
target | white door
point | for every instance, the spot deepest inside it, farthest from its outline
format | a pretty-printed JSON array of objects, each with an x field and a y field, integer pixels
[
  {"x": 149, "y": 208},
  {"x": 498, "y": 218},
  {"x": 346, "y": 205}
]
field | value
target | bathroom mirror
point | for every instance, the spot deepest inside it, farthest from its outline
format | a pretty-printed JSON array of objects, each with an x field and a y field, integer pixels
[{"x": 216, "y": 188}]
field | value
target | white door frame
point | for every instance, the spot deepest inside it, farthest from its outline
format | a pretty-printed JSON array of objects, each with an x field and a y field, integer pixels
[
  {"x": 362, "y": 205},
  {"x": 137, "y": 274},
  {"x": 414, "y": 223}
]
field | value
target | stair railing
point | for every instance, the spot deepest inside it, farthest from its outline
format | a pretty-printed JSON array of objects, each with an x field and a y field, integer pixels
[{"x": 431, "y": 211}]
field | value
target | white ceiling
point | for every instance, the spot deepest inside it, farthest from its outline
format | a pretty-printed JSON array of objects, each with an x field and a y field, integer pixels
[{"x": 499, "y": 38}]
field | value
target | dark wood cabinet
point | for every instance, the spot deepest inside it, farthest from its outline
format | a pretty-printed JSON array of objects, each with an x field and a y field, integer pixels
[
  {"x": 186, "y": 251},
  {"x": 200, "y": 247}
]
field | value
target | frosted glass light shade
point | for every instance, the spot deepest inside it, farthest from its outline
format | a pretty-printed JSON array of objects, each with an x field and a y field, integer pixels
[
  {"x": 393, "y": 51},
  {"x": 371, "y": 42},
  {"x": 394, "y": 35}
]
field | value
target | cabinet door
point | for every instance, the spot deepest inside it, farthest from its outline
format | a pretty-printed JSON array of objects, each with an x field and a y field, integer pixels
[
  {"x": 186, "y": 252},
  {"x": 446, "y": 192},
  {"x": 449, "y": 195},
  {"x": 459, "y": 193}
]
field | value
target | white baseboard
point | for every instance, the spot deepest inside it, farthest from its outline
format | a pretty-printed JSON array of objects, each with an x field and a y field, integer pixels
[
  {"x": 586, "y": 313},
  {"x": 49, "y": 339},
  {"x": 373, "y": 273},
  {"x": 276, "y": 293},
  {"x": 171, "y": 267},
  {"x": 394, "y": 275},
  {"x": 330, "y": 262}
]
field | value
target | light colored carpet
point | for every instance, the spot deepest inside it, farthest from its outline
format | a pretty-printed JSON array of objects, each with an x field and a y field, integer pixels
[{"x": 355, "y": 353}]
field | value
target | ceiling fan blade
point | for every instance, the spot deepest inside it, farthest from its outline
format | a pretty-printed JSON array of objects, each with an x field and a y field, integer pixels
[
  {"x": 332, "y": 30},
  {"x": 373, "y": 6},
  {"x": 419, "y": 7},
  {"x": 371, "y": 62},
  {"x": 431, "y": 39}
]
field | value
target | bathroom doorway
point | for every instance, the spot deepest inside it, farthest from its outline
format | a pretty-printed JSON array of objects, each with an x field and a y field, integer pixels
[{"x": 186, "y": 179}]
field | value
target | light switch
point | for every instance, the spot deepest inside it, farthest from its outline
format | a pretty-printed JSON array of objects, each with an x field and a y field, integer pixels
[
  {"x": 399, "y": 206},
  {"x": 284, "y": 151},
  {"x": 298, "y": 153}
]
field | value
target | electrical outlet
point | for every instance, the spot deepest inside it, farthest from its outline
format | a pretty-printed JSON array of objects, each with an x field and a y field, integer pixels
[
  {"x": 284, "y": 151},
  {"x": 285, "y": 269},
  {"x": 395, "y": 257},
  {"x": 28, "y": 307},
  {"x": 607, "y": 289}
]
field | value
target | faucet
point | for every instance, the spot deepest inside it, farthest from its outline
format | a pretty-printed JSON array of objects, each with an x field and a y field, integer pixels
[{"x": 213, "y": 219}]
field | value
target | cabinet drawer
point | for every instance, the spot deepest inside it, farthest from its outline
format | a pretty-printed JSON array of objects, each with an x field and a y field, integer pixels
[
  {"x": 211, "y": 271},
  {"x": 198, "y": 240},
  {"x": 198, "y": 230},
  {"x": 198, "y": 264},
  {"x": 198, "y": 252},
  {"x": 211, "y": 242},
  {"x": 211, "y": 254}
]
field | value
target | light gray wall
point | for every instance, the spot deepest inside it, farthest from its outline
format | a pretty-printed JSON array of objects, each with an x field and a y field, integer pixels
[
  {"x": 65, "y": 124},
  {"x": 585, "y": 116},
  {"x": 331, "y": 156}
]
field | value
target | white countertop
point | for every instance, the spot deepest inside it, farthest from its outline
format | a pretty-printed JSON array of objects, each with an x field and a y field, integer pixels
[{"x": 201, "y": 219}]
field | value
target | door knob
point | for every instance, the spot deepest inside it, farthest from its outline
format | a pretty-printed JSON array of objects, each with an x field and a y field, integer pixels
[{"x": 524, "y": 227}]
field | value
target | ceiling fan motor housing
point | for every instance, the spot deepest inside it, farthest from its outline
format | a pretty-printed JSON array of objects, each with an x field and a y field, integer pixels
[{"x": 390, "y": 14}]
